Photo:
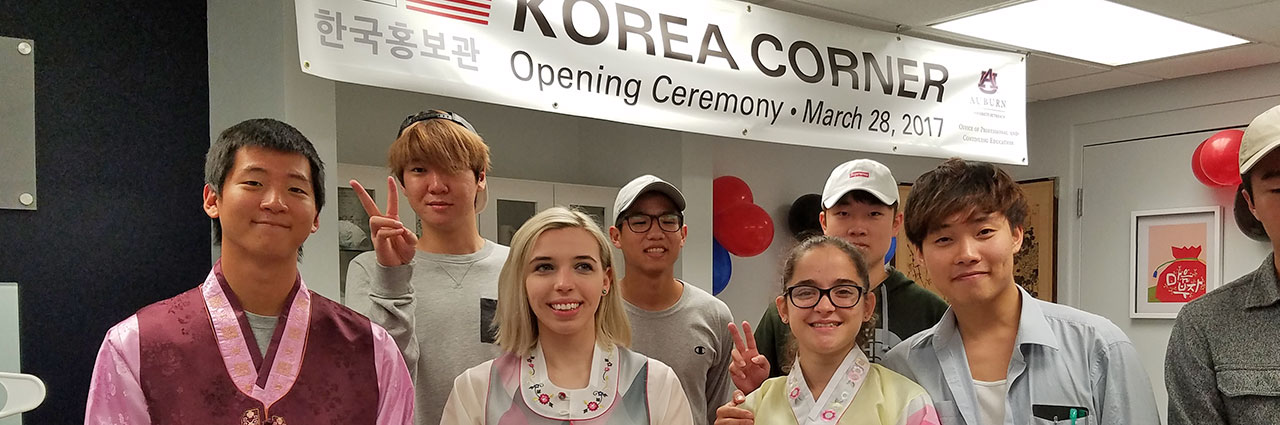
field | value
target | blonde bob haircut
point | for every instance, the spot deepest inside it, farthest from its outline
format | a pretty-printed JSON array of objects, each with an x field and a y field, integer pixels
[
  {"x": 440, "y": 143},
  {"x": 516, "y": 323}
]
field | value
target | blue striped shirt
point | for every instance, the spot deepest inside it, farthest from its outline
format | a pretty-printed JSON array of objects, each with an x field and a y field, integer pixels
[{"x": 1062, "y": 357}]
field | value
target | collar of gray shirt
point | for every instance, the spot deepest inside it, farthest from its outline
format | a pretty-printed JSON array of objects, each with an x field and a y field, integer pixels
[
  {"x": 1265, "y": 292},
  {"x": 1033, "y": 328}
]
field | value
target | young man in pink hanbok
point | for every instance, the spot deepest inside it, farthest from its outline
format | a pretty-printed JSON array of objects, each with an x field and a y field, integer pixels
[{"x": 251, "y": 344}]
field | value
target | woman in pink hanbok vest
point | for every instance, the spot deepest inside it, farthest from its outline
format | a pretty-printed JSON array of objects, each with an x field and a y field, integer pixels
[{"x": 564, "y": 333}]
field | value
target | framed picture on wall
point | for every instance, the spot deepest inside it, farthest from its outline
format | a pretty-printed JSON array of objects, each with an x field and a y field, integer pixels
[
  {"x": 1034, "y": 266},
  {"x": 1175, "y": 257}
]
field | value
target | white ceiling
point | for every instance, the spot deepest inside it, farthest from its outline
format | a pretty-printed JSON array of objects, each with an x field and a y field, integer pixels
[{"x": 1050, "y": 76}]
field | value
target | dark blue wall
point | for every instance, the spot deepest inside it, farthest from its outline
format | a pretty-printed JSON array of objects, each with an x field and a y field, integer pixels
[{"x": 122, "y": 125}]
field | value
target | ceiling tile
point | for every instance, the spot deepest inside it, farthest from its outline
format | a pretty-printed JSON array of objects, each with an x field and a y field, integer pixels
[
  {"x": 1086, "y": 84},
  {"x": 830, "y": 14},
  {"x": 908, "y": 12},
  {"x": 1043, "y": 69},
  {"x": 1258, "y": 22},
  {"x": 1183, "y": 8},
  {"x": 1213, "y": 61}
]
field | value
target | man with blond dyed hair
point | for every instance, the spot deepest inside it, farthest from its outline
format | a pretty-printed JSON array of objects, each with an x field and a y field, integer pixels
[{"x": 436, "y": 295}]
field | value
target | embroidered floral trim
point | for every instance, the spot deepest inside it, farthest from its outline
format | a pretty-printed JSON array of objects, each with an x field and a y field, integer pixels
[
  {"x": 836, "y": 397},
  {"x": 856, "y": 373},
  {"x": 593, "y": 405},
  {"x": 608, "y": 365},
  {"x": 594, "y": 402},
  {"x": 254, "y": 417},
  {"x": 541, "y": 397}
]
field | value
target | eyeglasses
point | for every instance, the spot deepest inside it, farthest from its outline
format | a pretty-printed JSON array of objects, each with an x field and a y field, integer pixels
[
  {"x": 841, "y": 296},
  {"x": 640, "y": 222}
]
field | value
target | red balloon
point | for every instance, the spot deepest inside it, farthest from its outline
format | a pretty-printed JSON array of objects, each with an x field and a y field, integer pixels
[
  {"x": 1220, "y": 157},
  {"x": 1197, "y": 170},
  {"x": 728, "y": 191},
  {"x": 745, "y": 229}
]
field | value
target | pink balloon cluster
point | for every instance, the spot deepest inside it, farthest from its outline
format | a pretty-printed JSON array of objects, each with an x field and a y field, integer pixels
[
  {"x": 742, "y": 227},
  {"x": 1216, "y": 162}
]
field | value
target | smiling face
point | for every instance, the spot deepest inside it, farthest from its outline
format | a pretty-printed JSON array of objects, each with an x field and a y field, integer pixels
[
  {"x": 970, "y": 257},
  {"x": 824, "y": 329},
  {"x": 565, "y": 281},
  {"x": 870, "y": 227},
  {"x": 653, "y": 250},
  {"x": 265, "y": 207}
]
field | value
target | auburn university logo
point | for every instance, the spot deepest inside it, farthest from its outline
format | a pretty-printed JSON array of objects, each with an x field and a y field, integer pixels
[{"x": 987, "y": 83}]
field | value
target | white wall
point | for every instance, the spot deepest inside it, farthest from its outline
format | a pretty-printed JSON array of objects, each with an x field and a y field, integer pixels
[
  {"x": 1114, "y": 188},
  {"x": 1184, "y": 105}
]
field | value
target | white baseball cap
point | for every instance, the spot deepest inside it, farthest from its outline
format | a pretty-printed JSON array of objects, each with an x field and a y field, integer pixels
[
  {"x": 860, "y": 174},
  {"x": 1262, "y": 136},
  {"x": 641, "y": 185}
]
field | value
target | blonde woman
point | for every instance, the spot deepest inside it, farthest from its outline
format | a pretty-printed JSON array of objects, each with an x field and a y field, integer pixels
[
  {"x": 564, "y": 335},
  {"x": 826, "y": 302}
]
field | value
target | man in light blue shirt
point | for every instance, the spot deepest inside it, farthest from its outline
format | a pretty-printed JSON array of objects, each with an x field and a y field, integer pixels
[{"x": 998, "y": 355}]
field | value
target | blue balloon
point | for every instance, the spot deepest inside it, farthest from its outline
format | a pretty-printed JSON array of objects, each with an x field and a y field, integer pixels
[
  {"x": 721, "y": 268},
  {"x": 893, "y": 248}
]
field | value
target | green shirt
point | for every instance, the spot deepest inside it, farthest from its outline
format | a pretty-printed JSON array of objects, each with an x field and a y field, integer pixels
[{"x": 910, "y": 308}]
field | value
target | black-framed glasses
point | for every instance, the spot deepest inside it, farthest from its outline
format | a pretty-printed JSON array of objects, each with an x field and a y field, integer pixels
[
  {"x": 841, "y": 296},
  {"x": 641, "y": 222}
]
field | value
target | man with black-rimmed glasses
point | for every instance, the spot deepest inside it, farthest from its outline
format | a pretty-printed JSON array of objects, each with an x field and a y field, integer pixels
[{"x": 674, "y": 322}]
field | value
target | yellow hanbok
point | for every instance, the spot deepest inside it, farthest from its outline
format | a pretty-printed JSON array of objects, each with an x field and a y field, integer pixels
[{"x": 860, "y": 393}]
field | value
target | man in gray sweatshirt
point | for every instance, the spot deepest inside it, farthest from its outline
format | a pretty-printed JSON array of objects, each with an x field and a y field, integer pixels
[
  {"x": 672, "y": 321},
  {"x": 436, "y": 295}
]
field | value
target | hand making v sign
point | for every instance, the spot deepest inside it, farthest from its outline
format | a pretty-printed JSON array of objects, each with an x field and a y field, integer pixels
[{"x": 394, "y": 243}]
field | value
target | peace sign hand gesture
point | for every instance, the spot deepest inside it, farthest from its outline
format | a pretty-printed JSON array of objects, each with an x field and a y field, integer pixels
[
  {"x": 394, "y": 244},
  {"x": 749, "y": 368}
]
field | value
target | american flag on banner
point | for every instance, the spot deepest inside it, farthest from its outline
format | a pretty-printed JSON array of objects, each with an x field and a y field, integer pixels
[{"x": 474, "y": 11}]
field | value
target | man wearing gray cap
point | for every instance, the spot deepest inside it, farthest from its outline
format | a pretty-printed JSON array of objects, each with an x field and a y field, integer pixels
[
  {"x": 1221, "y": 363},
  {"x": 674, "y": 322}
]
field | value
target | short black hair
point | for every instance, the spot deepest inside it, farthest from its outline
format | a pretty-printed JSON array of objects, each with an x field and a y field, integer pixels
[
  {"x": 1248, "y": 224},
  {"x": 265, "y": 133}
]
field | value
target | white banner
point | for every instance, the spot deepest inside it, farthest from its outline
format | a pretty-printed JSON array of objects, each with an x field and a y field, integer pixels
[{"x": 717, "y": 67}]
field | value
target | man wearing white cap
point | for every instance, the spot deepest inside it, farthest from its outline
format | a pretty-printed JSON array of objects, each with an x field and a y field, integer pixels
[
  {"x": 1221, "y": 363},
  {"x": 672, "y": 321},
  {"x": 860, "y": 205}
]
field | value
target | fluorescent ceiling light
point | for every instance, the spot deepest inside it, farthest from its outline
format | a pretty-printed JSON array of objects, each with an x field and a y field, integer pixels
[{"x": 1093, "y": 30}]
